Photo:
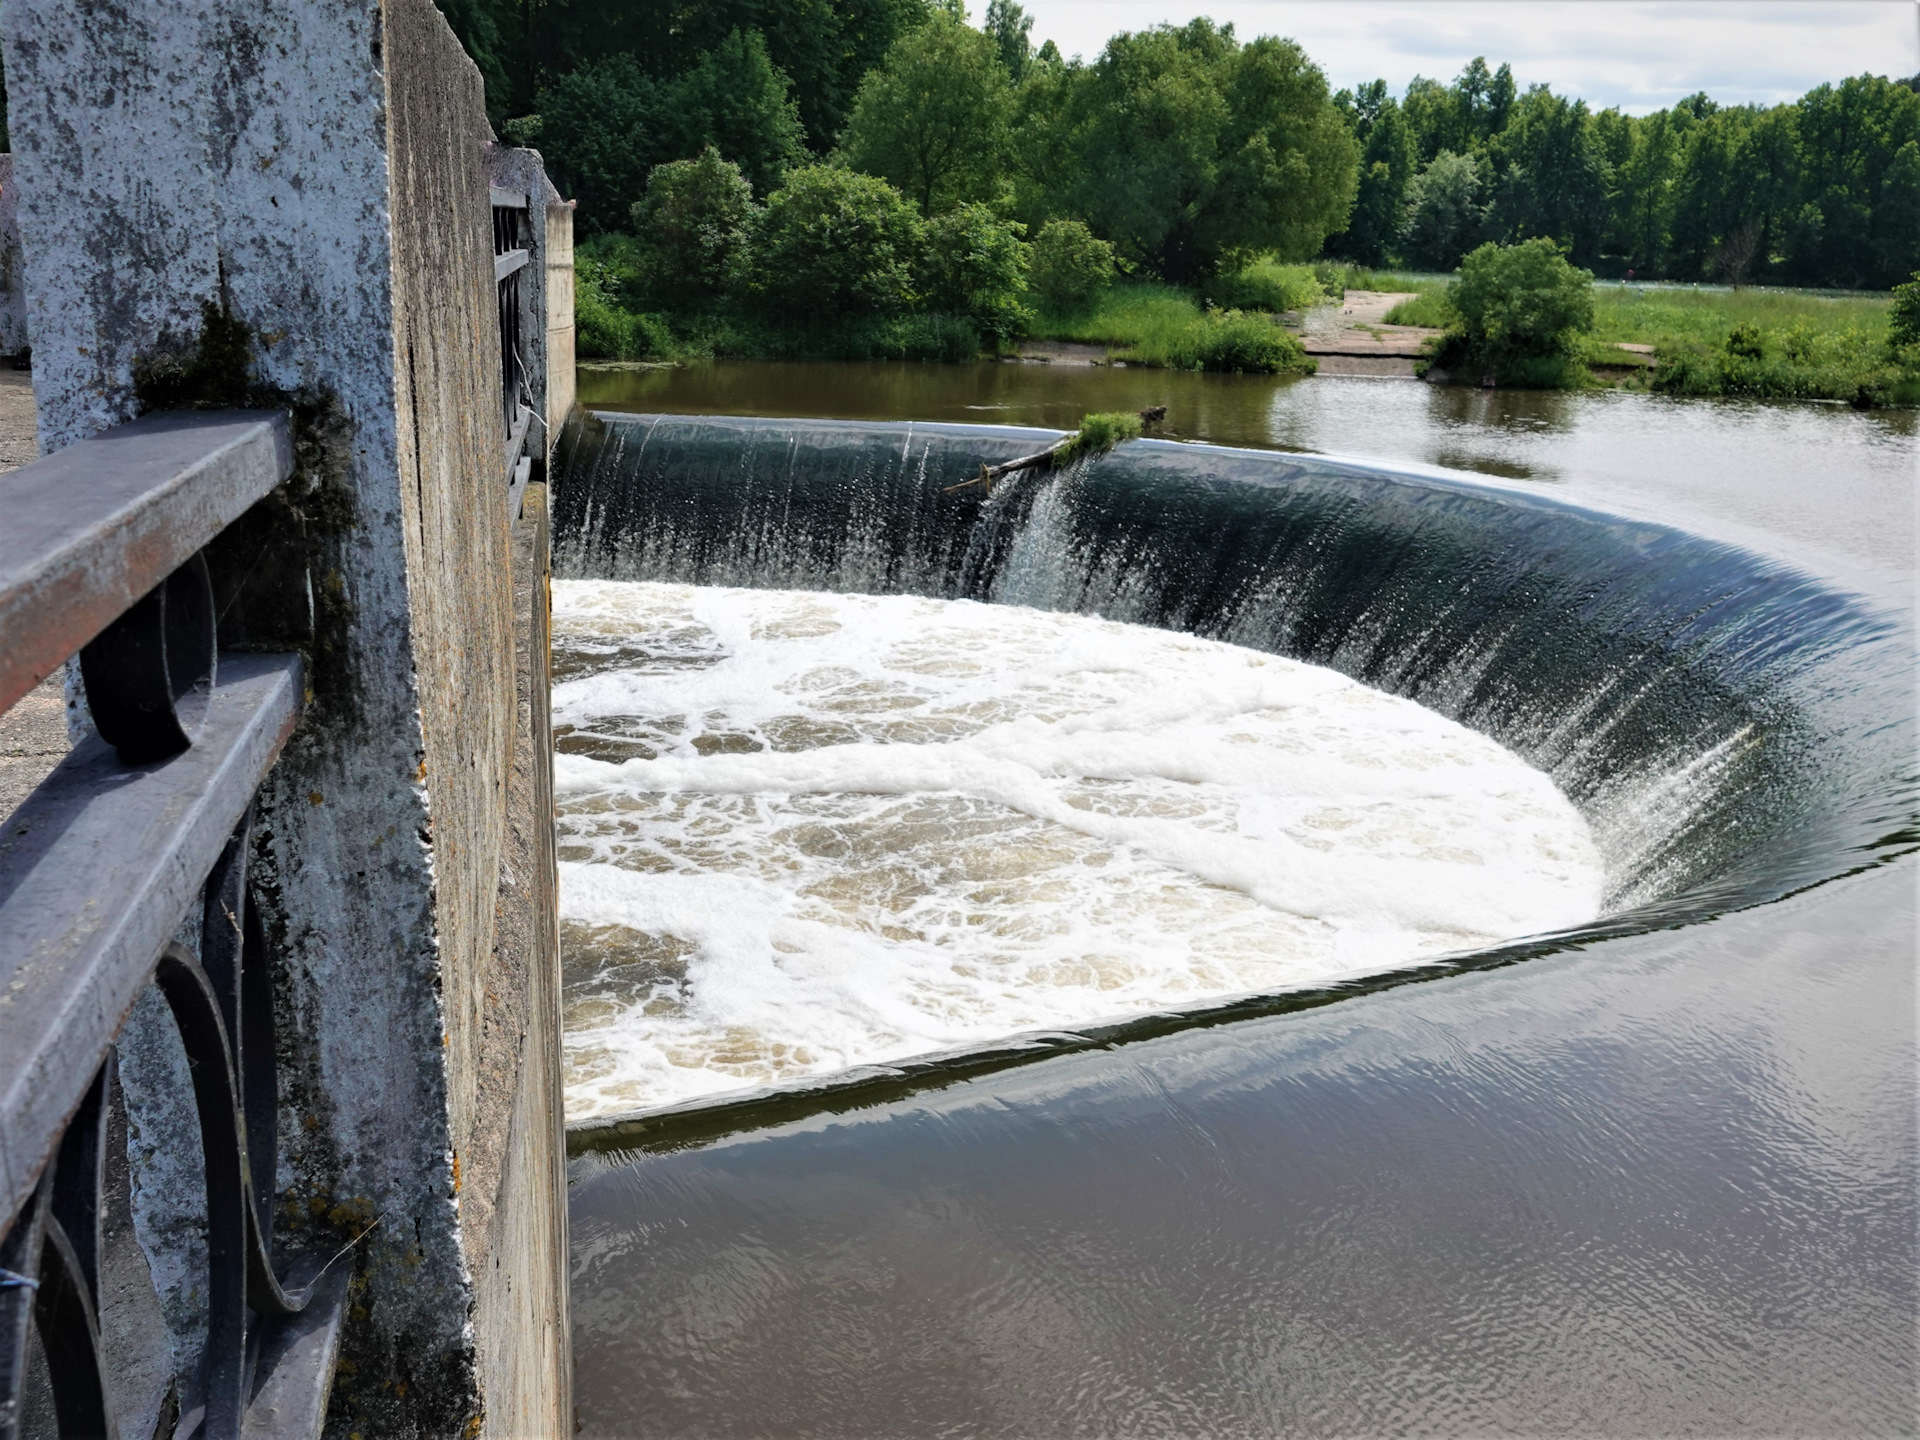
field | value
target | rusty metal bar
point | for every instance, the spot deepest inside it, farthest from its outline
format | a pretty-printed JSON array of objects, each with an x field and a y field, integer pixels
[
  {"x": 96, "y": 870},
  {"x": 91, "y": 529}
]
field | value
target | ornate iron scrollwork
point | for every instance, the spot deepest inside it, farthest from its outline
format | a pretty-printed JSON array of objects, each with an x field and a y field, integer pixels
[
  {"x": 149, "y": 673},
  {"x": 220, "y": 1002}
]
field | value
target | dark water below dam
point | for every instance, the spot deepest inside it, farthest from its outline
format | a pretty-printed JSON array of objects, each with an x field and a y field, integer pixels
[{"x": 1653, "y": 1175}]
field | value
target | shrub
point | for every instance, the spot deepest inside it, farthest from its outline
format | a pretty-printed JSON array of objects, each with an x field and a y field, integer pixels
[
  {"x": 1070, "y": 269},
  {"x": 1519, "y": 302},
  {"x": 692, "y": 225},
  {"x": 835, "y": 242},
  {"x": 975, "y": 265},
  {"x": 1744, "y": 342},
  {"x": 1903, "y": 317},
  {"x": 1231, "y": 341},
  {"x": 1267, "y": 286}
]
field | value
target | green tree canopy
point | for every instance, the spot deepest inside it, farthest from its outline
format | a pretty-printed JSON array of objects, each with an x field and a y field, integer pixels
[
  {"x": 1192, "y": 152},
  {"x": 602, "y": 129},
  {"x": 1551, "y": 178},
  {"x": 1445, "y": 214},
  {"x": 1070, "y": 268},
  {"x": 693, "y": 223},
  {"x": 736, "y": 100},
  {"x": 1012, "y": 30},
  {"x": 832, "y": 242},
  {"x": 1388, "y": 156},
  {"x": 931, "y": 118}
]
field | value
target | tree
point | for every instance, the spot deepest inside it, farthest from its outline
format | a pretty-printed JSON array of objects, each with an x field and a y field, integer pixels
[
  {"x": 1550, "y": 178},
  {"x": 835, "y": 242},
  {"x": 1444, "y": 216},
  {"x": 736, "y": 100},
  {"x": 1011, "y": 28},
  {"x": 1069, "y": 269},
  {"x": 975, "y": 265},
  {"x": 823, "y": 46},
  {"x": 693, "y": 223},
  {"x": 1388, "y": 156},
  {"x": 1521, "y": 302},
  {"x": 932, "y": 117},
  {"x": 1192, "y": 152},
  {"x": 601, "y": 132}
]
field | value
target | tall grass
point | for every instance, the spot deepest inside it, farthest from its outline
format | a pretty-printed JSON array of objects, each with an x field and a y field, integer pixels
[{"x": 1650, "y": 316}]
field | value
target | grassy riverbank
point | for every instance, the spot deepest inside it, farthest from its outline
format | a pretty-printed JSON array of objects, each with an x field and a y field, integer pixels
[{"x": 1752, "y": 343}]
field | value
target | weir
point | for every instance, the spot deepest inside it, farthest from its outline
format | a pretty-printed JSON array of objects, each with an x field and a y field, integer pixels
[
  {"x": 1240, "y": 1217},
  {"x": 281, "y": 1101}
]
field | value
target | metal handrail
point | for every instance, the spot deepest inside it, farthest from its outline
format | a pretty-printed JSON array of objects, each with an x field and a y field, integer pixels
[
  {"x": 92, "y": 529},
  {"x": 138, "y": 842},
  {"x": 96, "y": 869}
]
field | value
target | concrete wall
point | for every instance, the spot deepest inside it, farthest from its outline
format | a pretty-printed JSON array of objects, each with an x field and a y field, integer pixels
[
  {"x": 285, "y": 201},
  {"x": 13, "y": 274},
  {"x": 559, "y": 294}
]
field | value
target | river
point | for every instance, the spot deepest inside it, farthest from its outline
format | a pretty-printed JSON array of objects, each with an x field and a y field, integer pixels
[{"x": 1655, "y": 1181}]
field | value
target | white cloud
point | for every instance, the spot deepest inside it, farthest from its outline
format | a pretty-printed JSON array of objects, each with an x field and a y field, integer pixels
[{"x": 1637, "y": 54}]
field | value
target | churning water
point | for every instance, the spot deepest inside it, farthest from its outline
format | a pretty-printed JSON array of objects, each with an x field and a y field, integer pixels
[{"x": 804, "y": 832}]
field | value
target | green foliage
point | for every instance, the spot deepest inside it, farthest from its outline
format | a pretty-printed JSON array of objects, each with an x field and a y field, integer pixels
[
  {"x": 1012, "y": 31},
  {"x": 1445, "y": 215},
  {"x": 1551, "y": 179},
  {"x": 974, "y": 265},
  {"x": 1518, "y": 302},
  {"x": 1389, "y": 155},
  {"x": 931, "y": 118},
  {"x": 1430, "y": 308},
  {"x": 1099, "y": 432},
  {"x": 693, "y": 224},
  {"x": 605, "y": 126},
  {"x": 835, "y": 242},
  {"x": 1903, "y": 316},
  {"x": 1188, "y": 150},
  {"x": 737, "y": 101},
  {"x": 1850, "y": 365},
  {"x": 601, "y": 132},
  {"x": 603, "y": 329},
  {"x": 1744, "y": 342},
  {"x": 1226, "y": 340},
  {"x": 1070, "y": 269},
  {"x": 1267, "y": 285}
]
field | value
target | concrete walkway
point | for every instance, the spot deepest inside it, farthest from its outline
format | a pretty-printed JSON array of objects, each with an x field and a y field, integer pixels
[{"x": 1353, "y": 337}]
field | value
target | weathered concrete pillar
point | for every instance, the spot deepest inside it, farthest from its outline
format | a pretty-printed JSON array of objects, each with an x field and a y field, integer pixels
[
  {"x": 13, "y": 277},
  {"x": 285, "y": 202}
]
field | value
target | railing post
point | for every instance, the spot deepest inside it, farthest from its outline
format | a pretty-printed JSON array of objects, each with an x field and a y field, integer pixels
[{"x": 224, "y": 203}]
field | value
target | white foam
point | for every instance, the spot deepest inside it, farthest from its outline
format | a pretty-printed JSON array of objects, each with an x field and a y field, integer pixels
[{"x": 858, "y": 828}]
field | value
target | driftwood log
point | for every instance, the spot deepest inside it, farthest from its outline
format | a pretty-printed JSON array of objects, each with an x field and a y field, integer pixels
[{"x": 1149, "y": 417}]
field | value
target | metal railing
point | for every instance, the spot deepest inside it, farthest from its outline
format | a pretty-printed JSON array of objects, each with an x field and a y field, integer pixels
[
  {"x": 512, "y": 248},
  {"x": 129, "y": 867}
]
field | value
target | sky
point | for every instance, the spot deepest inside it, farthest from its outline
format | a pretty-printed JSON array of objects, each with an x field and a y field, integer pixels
[{"x": 1640, "y": 55}]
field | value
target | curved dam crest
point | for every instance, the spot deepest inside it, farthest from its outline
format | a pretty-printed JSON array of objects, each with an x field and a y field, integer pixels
[{"x": 1731, "y": 728}]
